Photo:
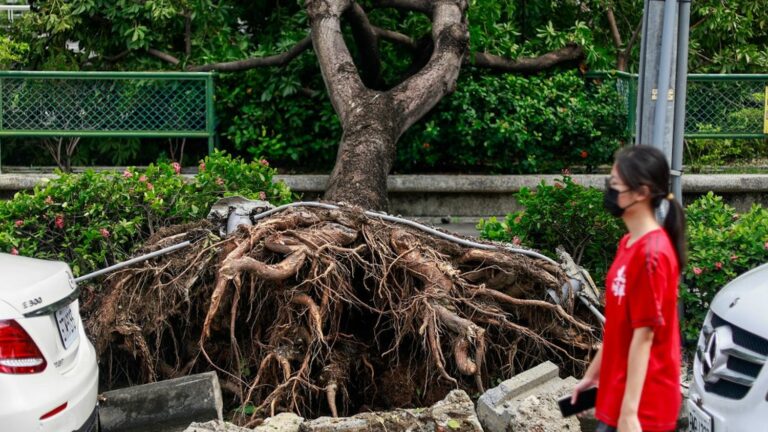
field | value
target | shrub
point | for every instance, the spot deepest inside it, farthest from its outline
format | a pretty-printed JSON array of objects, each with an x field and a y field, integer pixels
[
  {"x": 95, "y": 219},
  {"x": 517, "y": 124},
  {"x": 566, "y": 214},
  {"x": 721, "y": 245}
]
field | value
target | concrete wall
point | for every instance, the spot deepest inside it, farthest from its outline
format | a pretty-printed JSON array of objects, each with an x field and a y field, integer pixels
[{"x": 464, "y": 198}]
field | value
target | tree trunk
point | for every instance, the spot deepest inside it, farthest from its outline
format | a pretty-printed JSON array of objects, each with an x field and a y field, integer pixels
[
  {"x": 373, "y": 121},
  {"x": 366, "y": 154}
]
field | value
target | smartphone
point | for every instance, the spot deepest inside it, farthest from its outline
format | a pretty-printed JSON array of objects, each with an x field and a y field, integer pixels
[{"x": 585, "y": 401}]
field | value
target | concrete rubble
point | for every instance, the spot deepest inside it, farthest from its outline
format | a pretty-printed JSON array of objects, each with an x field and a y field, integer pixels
[
  {"x": 528, "y": 402},
  {"x": 525, "y": 402},
  {"x": 455, "y": 413}
]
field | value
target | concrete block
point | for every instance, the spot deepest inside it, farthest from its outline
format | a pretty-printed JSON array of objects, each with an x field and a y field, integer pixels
[
  {"x": 527, "y": 402},
  {"x": 168, "y": 406}
]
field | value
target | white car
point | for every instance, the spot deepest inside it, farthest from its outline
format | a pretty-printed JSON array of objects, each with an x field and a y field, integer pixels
[
  {"x": 48, "y": 369},
  {"x": 730, "y": 377}
]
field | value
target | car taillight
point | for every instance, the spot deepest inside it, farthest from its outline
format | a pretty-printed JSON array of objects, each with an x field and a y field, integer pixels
[{"x": 18, "y": 352}]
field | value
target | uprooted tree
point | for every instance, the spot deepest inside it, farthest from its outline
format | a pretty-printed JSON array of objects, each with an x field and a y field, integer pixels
[
  {"x": 334, "y": 310},
  {"x": 325, "y": 311}
]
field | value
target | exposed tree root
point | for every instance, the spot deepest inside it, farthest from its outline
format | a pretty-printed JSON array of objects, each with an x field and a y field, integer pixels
[{"x": 318, "y": 311}]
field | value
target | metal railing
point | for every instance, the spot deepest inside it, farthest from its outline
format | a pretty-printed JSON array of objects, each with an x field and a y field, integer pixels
[
  {"x": 733, "y": 106},
  {"x": 107, "y": 104}
]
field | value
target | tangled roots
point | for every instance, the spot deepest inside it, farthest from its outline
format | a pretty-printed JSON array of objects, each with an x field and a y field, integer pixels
[{"x": 332, "y": 312}]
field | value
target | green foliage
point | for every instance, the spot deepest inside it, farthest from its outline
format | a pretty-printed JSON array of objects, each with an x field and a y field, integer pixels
[
  {"x": 719, "y": 152},
  {"x": 721, "y": 245},
  {"x": 94, "y": 219},
  {"x": 515, "y": 124},
  {"x": 562, "y": 214},
  {"x": 11, "y": 52}
]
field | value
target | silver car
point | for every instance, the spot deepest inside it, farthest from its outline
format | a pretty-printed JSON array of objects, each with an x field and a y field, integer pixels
[{"x": 730, "y": 380}]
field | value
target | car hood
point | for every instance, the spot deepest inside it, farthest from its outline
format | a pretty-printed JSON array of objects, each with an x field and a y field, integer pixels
[
  {"x": 742, "y": 301},
  {"x": 29, "y": 284}
]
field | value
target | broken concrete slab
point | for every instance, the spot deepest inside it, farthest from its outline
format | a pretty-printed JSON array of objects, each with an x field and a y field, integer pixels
[
  {"x": 455, "y": 413},
  {"x": 215, "y": 426},
  {"x": 283, "y": 422},
  {"x": 527, "y": 402},
  {"x": 168, "y": 406}
]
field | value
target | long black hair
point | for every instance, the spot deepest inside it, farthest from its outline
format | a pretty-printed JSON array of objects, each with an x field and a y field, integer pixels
[{"x": 647, "y": 166}]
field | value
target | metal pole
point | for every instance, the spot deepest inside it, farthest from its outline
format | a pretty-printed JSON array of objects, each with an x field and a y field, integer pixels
[
  {"x": 132, "y": 261},
  {"x": 641, "y": 81},
  {"x": 665, "y": 71},
  {"x": 681, "y": 89}
]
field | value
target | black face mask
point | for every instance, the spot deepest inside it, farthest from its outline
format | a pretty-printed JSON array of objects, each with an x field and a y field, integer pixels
[{"x": 611, "y": 202}]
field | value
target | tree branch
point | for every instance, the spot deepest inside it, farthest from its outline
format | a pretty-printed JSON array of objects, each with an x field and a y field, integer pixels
[
  {"x": 163, "y": 56},
  {"x": 614, "y": 29},
  {"x": 187, "y": 33},
  {"x": 424, "y": 6},
  {"x": 279, "y": 60},
  {"x": 395, "y": 37},
  {"x": 345, "y": 88},
  {"x": 367, "y": 46},
  {"x": 418, "y": 94},
  {"x": 569, "y": 53}
]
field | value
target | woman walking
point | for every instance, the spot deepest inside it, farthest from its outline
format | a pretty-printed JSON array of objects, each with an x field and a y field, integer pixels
[{"x": 637, "y": 368}]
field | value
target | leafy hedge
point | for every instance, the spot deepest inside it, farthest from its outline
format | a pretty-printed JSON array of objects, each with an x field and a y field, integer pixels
[
  {"x": 95, "y": 219},
  {"x": 721, "y": 242}
]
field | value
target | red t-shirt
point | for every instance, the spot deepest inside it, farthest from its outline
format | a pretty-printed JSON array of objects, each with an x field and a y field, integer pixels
[{"x": 641, "y": 291}]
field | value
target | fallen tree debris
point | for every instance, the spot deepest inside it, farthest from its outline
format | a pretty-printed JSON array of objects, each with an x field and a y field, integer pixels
[{"x": 333, "y": 312}]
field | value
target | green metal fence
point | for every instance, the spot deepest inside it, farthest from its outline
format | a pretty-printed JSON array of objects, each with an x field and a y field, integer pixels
[
  {"x": 731, "y": 106},
  {"x": 107, "y": 104}
]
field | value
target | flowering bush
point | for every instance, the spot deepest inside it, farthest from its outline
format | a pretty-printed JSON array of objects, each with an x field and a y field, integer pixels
[
  {"x": 722, "y": 244},
  {"x": 92, "y": 220},
  {"x": 564, "y": 213}
]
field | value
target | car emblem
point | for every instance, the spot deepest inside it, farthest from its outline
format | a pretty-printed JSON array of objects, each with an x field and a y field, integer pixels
[
  {"x": 714, "y": 356},
  {"x": 733, "y": 303}
]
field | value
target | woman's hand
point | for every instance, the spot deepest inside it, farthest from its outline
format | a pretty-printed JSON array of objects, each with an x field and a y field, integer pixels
[
  {"x": 629, "y": 423},
  {"x": 586, "y": 383}
]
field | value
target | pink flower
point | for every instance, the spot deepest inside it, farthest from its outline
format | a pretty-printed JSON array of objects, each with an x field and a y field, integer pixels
[
  {"x": 516, "y": 241},
  {"x": 262, "y": 196},
  {"x": 104, "y": 232},
  {"x": 697, "y": 271},
  {"x": 59, "y": 222},
  {"x": 143, "y": 178},
  {"x": 765, "y": 246},
  {"x": 264, "y": 162},
  {"x": 127, "y": 174},
  {"x": 19, "y": 223},
  {"x": 14, "y": 251},
  {"x": 176, "y": 167},
  {"x": 719, "y": 265},
  {"x": 583, "y": 154},
  {"x": 219, "y": 181},
  {"x": 48, "y": 200},
  {"x": 734, "y": 257},
  {"x": 566, "y": 172},
  {"x": 150, "y": 186},
  {"x": 202, "y": 167}
]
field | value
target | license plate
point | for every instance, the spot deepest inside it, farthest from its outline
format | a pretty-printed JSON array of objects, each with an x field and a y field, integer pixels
[
  {"x": 65, "y": 321},
  {"x": 698, "y": 420}
]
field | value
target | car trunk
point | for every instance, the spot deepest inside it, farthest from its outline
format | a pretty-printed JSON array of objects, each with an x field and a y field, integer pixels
[{"x": 45, "y": 294}]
